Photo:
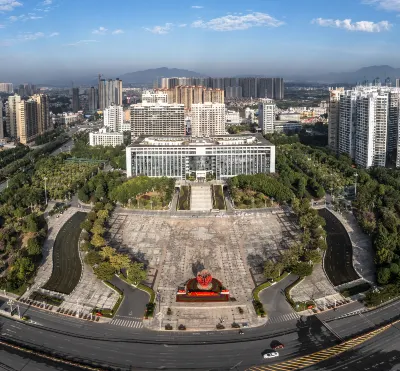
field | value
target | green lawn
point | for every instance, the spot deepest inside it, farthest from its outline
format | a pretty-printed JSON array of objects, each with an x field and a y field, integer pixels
[
  {"x": 184, "y": 198},
  {"x": 218, "y": 197}
]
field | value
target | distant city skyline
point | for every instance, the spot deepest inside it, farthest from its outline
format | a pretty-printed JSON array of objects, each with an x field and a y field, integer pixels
[{"x": 41, "y": 40}]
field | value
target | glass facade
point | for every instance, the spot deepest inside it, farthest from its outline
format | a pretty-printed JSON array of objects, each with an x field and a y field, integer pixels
[{"x": 177, "y": 161}]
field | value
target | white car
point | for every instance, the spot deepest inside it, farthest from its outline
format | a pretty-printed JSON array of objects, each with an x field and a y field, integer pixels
[{"x": 271, "y": 355}]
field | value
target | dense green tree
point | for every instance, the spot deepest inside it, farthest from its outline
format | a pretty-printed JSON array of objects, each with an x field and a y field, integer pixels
[
  {"x": 98, "y": 229},
  {"x": 34, "y": 247},
  {"x": 136, "y": 273},
  {"x": 32, "y": 223},
  {"x": 23, "y": 267},
  {"x": 107, "y": 252},
  {"x": 98, "y": 241},
  {"x": 102, "y": 214},
  {"x": 104, "y": 271},
  {"x": 313, "y": 256},
  {"x": 272, "y": 270},
  {"x": 92, "y": 258},
  {"x": 302, "y": 269},
  {"x": 383, "y": 275},
  {"x": 119, "y": 261},
  {"x": 86, "y": 225},
  {"x": 394, "y": 268}
]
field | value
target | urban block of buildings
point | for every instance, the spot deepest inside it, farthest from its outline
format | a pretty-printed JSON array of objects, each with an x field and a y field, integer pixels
[
  {"x": 182, "y": 156},
  {"x": 234, "y": 88},
  {"x": 364, "y": 124},
  {"x": 27, "y": 118}
]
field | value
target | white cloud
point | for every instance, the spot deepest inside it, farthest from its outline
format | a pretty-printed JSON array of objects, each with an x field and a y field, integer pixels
[
  {"x": 160, "y": 30},
  {"x": 118, "y": 32},
  {"x": 2, "y": 26},
  {"x": 391, "y": 5},
  {"x": 54, "y": 34},
  {"x": 182, "y": 25},
  {"x": 83, "y": 42},
  {"x": 238, "y": 22},
  {"x": 29, "y": 36},
  {"x": 24, "y": 17},
  {"x": 47, "y": 2},
  {"x": 8, "y": 5},
  {"x": 363, "y": 26},
  {"x": 197, "y": 7},
  {"x": 100, "y": 31}
]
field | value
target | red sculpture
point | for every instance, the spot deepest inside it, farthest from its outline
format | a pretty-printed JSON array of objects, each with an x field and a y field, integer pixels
[{"x": 204, "y": 279}]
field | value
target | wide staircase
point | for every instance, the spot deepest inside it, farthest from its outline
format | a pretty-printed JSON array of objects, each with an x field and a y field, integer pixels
[{"x": 200, "y": 197}]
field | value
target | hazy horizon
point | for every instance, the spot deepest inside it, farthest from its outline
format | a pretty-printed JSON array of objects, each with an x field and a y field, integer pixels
[{"x": 46, "y": 40}]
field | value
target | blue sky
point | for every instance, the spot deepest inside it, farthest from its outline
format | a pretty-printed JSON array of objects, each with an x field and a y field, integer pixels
[{"x": 216, "y": 37}]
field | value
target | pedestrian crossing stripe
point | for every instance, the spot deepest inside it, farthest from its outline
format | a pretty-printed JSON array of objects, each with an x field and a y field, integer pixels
[
  {"x": 283, "y": 318},
  {"x": 314, "y": 358},
  {"x": 126, "y": 323}
]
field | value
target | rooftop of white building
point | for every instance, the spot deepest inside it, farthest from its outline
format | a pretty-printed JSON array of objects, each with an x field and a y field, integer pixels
[{"x": 217, "y": 140}]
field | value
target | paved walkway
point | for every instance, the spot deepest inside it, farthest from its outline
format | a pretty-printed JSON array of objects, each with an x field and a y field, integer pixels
[{"x": 200, "y": 197}]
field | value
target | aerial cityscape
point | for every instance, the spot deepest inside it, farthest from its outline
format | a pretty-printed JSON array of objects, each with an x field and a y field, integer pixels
[{"x": 236, "y": 210}]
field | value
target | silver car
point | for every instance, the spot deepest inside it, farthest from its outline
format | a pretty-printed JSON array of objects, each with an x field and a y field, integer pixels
[{"x": 271, "y": 355}]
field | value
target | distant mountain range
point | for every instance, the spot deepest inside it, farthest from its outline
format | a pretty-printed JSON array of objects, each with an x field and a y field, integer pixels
[
  {"x": 148, "y": 77},
  {"x": 365, "y": 73}
]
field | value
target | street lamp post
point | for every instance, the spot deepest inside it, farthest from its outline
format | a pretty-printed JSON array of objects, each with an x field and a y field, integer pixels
[
  {"x": 355, "y": 184},
  {"x": 45, "y": 189}
]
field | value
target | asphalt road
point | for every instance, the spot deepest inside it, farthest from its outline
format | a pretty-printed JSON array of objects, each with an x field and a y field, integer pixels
[
  {"x": 134, "y": 303},
  {"x": 66, "y": 147},
  {"x": 67, "y": 265},
  {"x": 338, "y": 261},
  {"x": 382, "y": 353},
  {"x": 274, "y": 300},
  {"x": 11, "y": 360},
  {"x": 136, "y": 348}
]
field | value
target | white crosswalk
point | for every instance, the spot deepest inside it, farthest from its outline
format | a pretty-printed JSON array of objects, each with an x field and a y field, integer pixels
[
  {"x": 126, "y": 323},
  {"x": 283, "y": 318}
]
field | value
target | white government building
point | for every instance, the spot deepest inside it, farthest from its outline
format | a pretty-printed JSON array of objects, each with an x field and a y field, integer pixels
[{"x": 222, "y": 156}]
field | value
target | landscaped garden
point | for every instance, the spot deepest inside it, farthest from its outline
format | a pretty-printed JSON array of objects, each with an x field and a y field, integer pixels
[
  {"x": 258, "y": 191},
  {"x": 184, "y": 198},
  {"x": 218, "y": 197},
  {"x": 144, "y": 192},
  {"x": 63, "y": 178}
]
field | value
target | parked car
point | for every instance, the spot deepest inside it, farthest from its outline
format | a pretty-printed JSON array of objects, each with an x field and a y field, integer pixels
[{"x": 277, "y": 345}]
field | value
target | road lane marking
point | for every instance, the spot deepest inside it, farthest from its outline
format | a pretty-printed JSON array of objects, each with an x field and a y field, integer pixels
[{"x": 314, "y": 358}]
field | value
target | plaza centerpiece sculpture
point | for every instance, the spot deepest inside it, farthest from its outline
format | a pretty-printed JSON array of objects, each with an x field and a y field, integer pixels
[
  {"x": 202, "y": 288},
  {"x": 204, "y": 280}
]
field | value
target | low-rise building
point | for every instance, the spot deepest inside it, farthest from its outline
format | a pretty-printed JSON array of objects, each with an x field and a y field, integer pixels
[
  {"x": 102, "y": 138},
  {"x": 289, "y": 116},
  {"x": 287, "y": 127},
  {"x": 222, "y": 156},
  {"x": 232, "y": 117}
]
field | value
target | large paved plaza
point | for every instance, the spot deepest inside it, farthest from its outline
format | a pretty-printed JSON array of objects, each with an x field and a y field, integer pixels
[{"x": 232, "y": 248}]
